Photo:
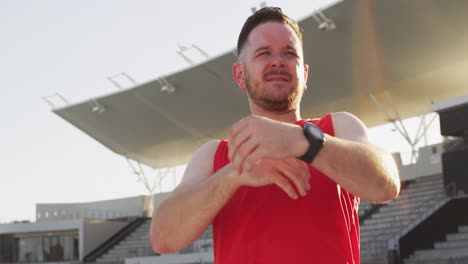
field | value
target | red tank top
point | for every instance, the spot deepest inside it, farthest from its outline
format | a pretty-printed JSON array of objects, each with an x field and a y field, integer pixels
[{"x": 263, "y": 225}]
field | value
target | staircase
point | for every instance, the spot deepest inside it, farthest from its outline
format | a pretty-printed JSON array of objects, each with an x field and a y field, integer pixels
[{"x": 453, "y": 250}]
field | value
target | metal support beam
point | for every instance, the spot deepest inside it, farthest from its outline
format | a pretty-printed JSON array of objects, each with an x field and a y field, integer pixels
[
  {"x": 391, "y": 119},
  {"x": 163, "y": 173},
  {"x": 159, "y": 176},
  {"x": 48, "y": 100},
  {"x": 139, "y": 172},
  {"x": 400, "y": 126},
  {"x": 113, "y": 80},
  {"x": 183, "y": 49}
]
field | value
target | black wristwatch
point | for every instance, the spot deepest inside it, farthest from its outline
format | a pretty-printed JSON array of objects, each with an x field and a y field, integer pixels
[{"x": 316, "y": 140}]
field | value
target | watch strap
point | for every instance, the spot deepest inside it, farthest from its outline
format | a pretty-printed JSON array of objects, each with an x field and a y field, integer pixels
[{"x": 316, "y": 141}]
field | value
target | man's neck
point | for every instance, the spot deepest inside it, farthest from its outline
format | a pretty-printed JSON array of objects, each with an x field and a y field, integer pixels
[{"x": 287, "y": 117}]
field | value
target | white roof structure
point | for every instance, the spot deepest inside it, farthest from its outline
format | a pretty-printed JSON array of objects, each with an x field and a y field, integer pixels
[
  {"x": 450, "y": 104},
  {"x": 383, "y": 56}
]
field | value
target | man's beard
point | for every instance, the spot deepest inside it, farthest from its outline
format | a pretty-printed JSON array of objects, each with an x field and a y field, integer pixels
[{"x": 266, "y": 101}]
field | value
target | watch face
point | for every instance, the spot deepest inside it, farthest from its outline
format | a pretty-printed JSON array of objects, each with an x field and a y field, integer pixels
[{"x": 315, "y": 131}]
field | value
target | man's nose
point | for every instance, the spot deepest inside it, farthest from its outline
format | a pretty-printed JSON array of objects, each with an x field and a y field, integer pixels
[{"x": 277, "y": 61}]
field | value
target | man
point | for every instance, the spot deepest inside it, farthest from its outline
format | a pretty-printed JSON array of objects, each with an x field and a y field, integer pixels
[{"x": 280, "y": 189}]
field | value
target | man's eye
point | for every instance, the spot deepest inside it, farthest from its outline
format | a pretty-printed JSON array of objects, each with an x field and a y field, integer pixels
[
  {"x": 292, "y": 53},
  {"x": 263, "y": 53}
]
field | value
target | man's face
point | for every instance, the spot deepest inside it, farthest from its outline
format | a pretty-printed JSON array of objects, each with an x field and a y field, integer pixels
[{"x": 273, "y": 67}]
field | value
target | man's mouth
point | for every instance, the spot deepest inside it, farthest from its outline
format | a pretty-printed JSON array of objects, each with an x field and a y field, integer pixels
[
  {"x": 281, "y": 78},
  {"x": 277, "y": 76}
]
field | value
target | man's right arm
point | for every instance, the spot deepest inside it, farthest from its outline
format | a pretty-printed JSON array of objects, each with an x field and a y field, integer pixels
[{"x": 183, "y": 216}]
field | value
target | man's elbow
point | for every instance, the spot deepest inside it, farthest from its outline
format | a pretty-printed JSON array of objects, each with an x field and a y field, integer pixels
[
  {"x": 390, "y": 181},
  {"x": 390, "y": 190},
  {"x": 161, "y": 245}
]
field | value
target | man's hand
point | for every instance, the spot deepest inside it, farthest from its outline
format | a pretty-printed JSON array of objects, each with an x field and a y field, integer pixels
[
  {"x": 255, "y": 138},
  {"x": 283, "y": 173}
]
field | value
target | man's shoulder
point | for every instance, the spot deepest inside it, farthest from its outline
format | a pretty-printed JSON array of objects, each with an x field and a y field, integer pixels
[
  {"x": 344, "y": 117},
  {"x": 205, "y": 152},
  {"x": 209, "y": 148},
  {"x": 201, "y": 165},
  {"x": 211, "y": 143},
  {"x": 349, "y": 126}
]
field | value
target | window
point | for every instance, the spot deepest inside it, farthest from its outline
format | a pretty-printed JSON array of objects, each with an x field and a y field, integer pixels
[{"x": 47, "y": 247}]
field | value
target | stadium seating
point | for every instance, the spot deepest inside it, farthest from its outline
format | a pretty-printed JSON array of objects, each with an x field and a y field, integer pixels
[
  {"x": 137, "y": 244},
  {"x": 389, "y": 220}
]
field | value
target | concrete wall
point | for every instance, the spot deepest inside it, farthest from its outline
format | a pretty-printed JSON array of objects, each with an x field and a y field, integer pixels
[
  {"x": 429, "y": 163},
  {"x": 131, "y": 206},
  {"x": 94, "y": 233},
  {"x": 40, "y": 227}
]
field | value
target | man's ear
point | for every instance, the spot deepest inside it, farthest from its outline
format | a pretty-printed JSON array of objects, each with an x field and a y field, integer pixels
[
  {"x": 238, "y": 74},
  {"x": 306, "y": 74}
]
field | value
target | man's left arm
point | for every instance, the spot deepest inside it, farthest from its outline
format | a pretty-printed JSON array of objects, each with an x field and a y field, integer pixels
[
  {"x": 351, "y": 161},
  {"x": 348, "y": 159}
]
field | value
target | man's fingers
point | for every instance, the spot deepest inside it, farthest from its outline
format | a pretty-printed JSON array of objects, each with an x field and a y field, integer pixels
[
  {"x": 301, "y": 169},
  {"x": 284, "y": 184},
  {"x": 242, "y": 152},
  {"x": 238, "y": 127},
  {"x": 236, "y": 141},
  {"x": 252, "y": 159},
  {"x": 294, "y": 174}
]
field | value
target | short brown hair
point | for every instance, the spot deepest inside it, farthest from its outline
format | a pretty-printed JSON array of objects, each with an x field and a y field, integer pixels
[{"x": 266, "y": 14}]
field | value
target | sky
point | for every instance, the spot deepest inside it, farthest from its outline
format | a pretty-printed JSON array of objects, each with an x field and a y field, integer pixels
[{"x": 70, "y": 47}]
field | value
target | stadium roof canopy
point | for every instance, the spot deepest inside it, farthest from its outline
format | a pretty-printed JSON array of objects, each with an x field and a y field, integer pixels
[{"x": 395, "y": 54}]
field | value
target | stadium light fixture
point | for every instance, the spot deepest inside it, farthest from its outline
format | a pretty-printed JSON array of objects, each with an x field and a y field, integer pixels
[
  {"x": 325, "y": 24},
  {"x": 97, "y": 107},
  {"x": 254, "y": 9},
  {"x": 166, "y": 87}
]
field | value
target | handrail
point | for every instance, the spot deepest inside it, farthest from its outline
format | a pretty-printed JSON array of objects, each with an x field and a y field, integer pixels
[
  {"x": 370, "y": 211},
  {"x": 113, "y": 240}
]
